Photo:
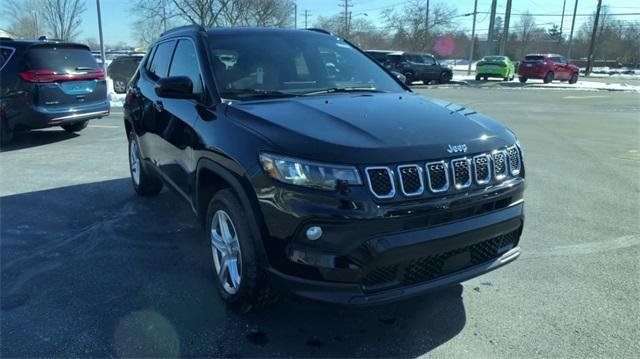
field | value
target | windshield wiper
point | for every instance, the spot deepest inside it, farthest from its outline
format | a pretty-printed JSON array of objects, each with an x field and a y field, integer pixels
[
  {"x": 342, "y": 90},
  {"x": 258, "y": 93}
]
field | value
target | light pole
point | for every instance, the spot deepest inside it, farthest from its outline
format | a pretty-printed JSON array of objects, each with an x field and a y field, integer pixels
[
  {"x": 473, "y": 36},
  {"x": 35, "y": 22},
  {"x": 102, "y": 52}
]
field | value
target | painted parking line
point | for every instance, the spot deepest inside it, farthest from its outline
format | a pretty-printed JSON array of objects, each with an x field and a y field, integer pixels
[
  {"x": 584, "y": 97},
  {"x": 104, "y": 126}
]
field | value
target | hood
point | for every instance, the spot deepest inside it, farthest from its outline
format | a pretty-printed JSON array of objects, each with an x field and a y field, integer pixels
[{"x": 370, "y": 128}]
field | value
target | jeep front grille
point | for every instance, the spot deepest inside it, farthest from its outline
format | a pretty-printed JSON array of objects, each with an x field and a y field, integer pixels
[
  {"x": 445, "y": 175},
  {"x": 381, "y": 182}
]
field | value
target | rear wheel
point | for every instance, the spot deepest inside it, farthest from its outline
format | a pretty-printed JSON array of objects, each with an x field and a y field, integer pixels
[
  {"x": 76, "y": 127},
  {"x": 144, "y": 183},
  {"x": 119, "y": 85},
  {"x": 573, "y": 79},
  {"x": 239, "y": 267},
  {"x": 548, "y": 78},
  {"x": 522, "y": 79},
  {"x": 477, "y": 77},
  {"x": 409, "y": 78}
]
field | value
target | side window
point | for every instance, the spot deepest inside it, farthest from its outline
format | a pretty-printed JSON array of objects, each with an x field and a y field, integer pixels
[
  {"x": 428, "y": 60},
  {"x": 416, "y": 58},
  {"x": 161, "y": 59},
  {"x": 185, "y": 63},
  {"x": 556, "y": 59},
  {"x": 563, "y": 60},
  {"x": 152, "y": 52}
]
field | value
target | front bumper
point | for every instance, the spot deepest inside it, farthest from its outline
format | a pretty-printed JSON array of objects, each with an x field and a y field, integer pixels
[{"x": 406, "y": 251}]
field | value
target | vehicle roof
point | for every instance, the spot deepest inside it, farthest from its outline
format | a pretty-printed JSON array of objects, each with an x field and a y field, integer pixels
[
  {"x": 381, "y": 51},
  {"x": 545, "y": 55},
  {"x": 409, "y": 53},
  {"x": 29, "y": 43}
]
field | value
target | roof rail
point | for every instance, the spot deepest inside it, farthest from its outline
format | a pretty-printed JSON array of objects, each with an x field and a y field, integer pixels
[
  {"x": 323, "y": 31},
  {"x": 185, "y": 27}
]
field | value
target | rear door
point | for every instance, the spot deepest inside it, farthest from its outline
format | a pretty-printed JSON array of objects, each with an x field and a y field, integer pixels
[{"x": 63, "y": 76}]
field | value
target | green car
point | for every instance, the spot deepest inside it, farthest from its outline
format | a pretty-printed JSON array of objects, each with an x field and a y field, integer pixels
[{"x": 495, "y": 66}]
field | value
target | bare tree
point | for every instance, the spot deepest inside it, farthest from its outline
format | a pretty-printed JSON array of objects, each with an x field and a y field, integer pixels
[
  {"x": 528, "y": 26},
  {"x": 25, "y": 18},
  {"x": 64, "y": 17}
]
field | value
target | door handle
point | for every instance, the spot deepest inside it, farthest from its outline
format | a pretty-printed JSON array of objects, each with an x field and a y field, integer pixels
[{"x": 158, "y": 106}]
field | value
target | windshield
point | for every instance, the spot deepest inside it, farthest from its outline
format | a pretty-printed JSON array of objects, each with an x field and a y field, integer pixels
[
  {"x": 493, "y": 58},
  {"x": 292, "y": 64}
]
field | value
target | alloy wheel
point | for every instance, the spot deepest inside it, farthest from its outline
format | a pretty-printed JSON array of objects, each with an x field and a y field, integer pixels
[
  {"x": 134, "y": 162},
  {"x": 225, "y": 249},
  {"x": 119, "y": 86}
]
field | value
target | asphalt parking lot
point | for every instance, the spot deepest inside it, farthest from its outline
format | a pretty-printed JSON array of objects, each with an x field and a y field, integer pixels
[{"x": 90, "y": 269}]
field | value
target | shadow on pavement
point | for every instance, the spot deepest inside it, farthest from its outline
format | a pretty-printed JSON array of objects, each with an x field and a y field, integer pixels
[
  {"x": 28, "y": 139},
  {"x": 94, "y": 270}
]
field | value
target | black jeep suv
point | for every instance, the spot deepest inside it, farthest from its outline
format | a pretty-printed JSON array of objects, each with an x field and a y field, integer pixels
[
  {"x": 330, "y": 179},
  {"x": 418, "y": 67},
  {"x": 49, "y": 83}
]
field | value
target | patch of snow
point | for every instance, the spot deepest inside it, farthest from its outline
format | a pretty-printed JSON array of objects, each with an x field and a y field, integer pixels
[
  {"x": 115, "y": 99},
  {"x": 580, "y": 85}
]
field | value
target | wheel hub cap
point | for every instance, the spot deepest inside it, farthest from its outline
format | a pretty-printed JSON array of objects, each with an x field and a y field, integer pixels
[
  {"x": 225, "y": 248},
  {"x": 134, "y": 162}
]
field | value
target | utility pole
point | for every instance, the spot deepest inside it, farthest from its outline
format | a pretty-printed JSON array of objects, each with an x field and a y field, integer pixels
[
  {"x": 426, "y": 21},
  {"x": 473, "y": 35},
  {"x": 102, "y": 52},
  {"x": 346, "y": 6},
  {"x": 593, "y": 40},
  {"x": 295, "y": 15},
  {"x": 505, "y": 34},
  {"x": 573, "y": 24},
  {"x": 306, "y": 18},
  {"x": 492, "y": 22},
  {"x": 564, "y": 4},
  {"x": 35, "y": 23}
]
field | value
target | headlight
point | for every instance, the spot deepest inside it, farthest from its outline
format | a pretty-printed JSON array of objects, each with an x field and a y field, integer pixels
[{"x": 308, "y": 173}]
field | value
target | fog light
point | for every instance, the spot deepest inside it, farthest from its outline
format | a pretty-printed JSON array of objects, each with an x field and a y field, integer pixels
[{"x": 314, "y": 233}]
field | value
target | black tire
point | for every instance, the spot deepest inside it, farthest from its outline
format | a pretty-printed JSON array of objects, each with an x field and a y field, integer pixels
[
  {"x": 253, "y": 292},
  {"x": 548, "y": 78},
  {"x": 76, "y": 127},
  {"x": 445, "y": 77},
  {"x": 409, "y": 78},
  {"x": 6, "y": 134},
  {"x": 522, "y": 79},
  {"x": 486, "y": 78},
  {"x": 119, "y": 85},
  {"x": 147, "y": 183},
  {"x": 573, "y": 79},
  {"x": 505, "y": 78},
  {"x": 477, "y": 77}
]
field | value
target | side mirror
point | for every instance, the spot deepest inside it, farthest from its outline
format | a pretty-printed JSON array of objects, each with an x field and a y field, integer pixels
[{"x": 175, "y": 87}]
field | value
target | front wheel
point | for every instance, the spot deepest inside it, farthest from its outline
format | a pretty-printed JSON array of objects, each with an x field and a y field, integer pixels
[
  {"x": 144, "y": 182},
  {"x": 445, "y": 77},
  {"x": 76, "y": 127},
  {"x": 522, "y": 79},
  {"x": 477, "y": 77},
  {"x": 573, "y": 79},
  {"x": 238, "y": 265}
]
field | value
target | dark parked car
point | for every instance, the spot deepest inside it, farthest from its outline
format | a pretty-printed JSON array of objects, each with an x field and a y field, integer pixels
[
  {"x": 418, "y": 67},
  {"x": 547, "y": 67},
  {"x": 49, "y": 83},
  {"x": 121, "y": 69},
  {"x": 339, "y": 185},
  {"x": 379, "y": 55}
]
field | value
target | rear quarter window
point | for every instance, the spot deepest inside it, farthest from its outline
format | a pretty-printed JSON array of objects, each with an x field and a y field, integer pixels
[
  {"x": 60, "y": 59},
  {"x": 5, "y": 55}
]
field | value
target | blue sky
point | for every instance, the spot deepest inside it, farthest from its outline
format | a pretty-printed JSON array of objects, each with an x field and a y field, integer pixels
[{"x": 117, "y": 17}]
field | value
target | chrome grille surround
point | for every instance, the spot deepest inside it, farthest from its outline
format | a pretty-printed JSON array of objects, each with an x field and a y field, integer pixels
[
  {"x": 419, "y": 170},
  {"x": 500, "y": 165},
  {"x": 458, "y": 168},
  {"x": 445, "y": 170},
  {"x": 436, "y": 177},
  {"x": 514, "y": 160},
  {"x": 389, "y": 172},
  {"x": 477, "y": 162}
]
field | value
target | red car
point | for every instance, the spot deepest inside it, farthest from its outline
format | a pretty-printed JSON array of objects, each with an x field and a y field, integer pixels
[{"x": 547, "y": 67}]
